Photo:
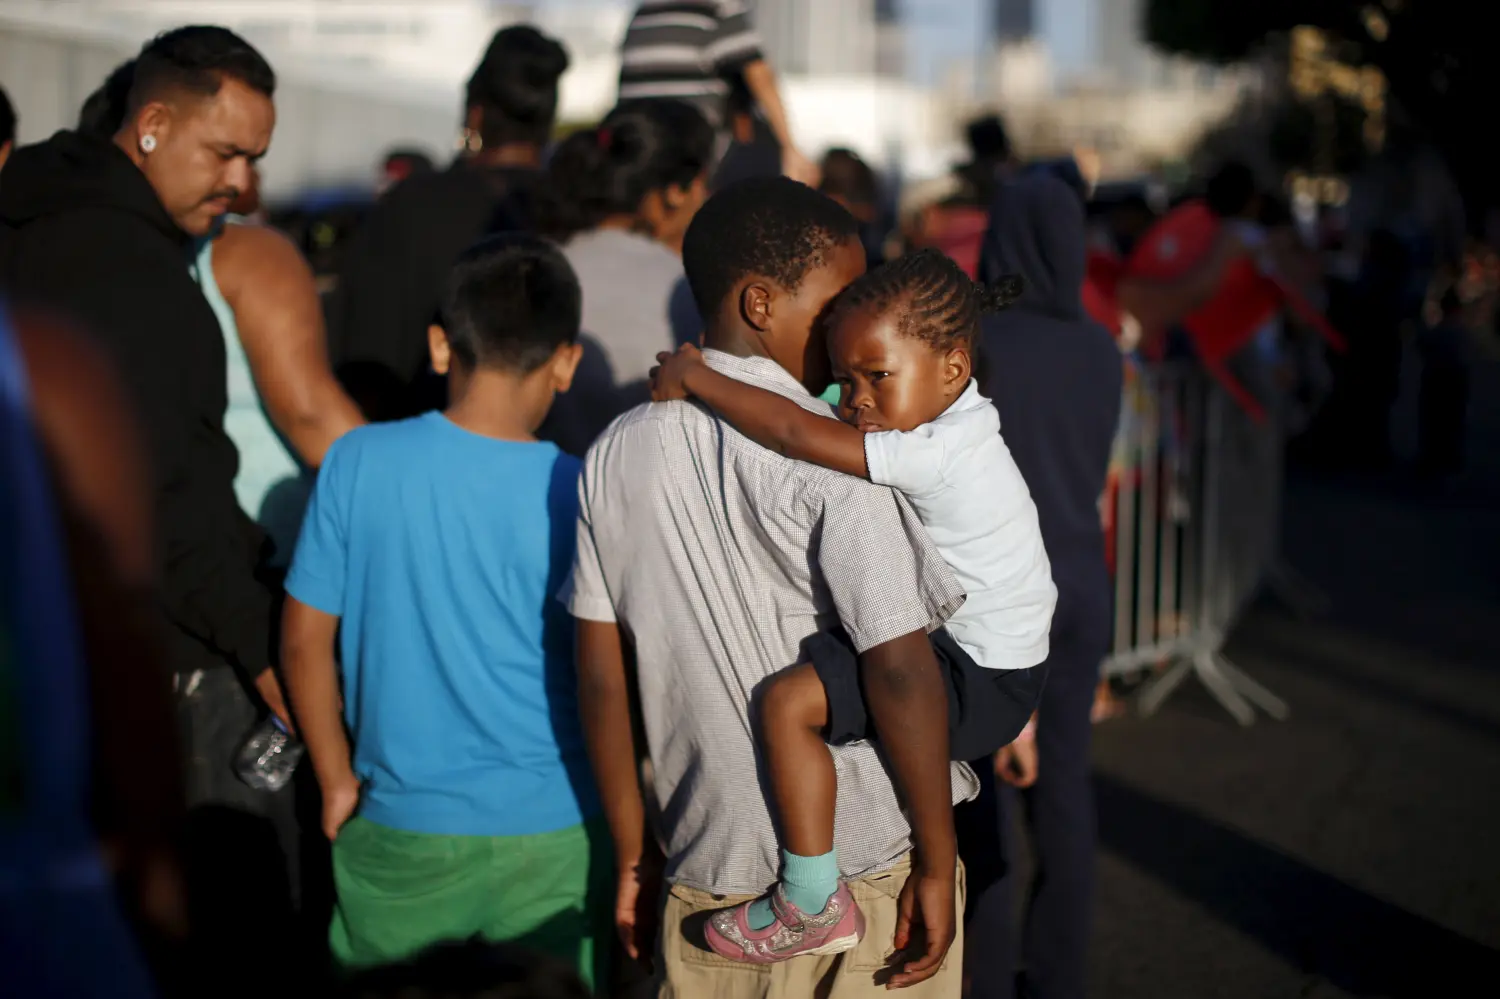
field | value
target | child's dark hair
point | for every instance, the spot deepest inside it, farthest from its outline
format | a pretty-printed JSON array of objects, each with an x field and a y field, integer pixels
[
  {"x": 511, "y": 301},
  {"x": 515, "y": 86},
  {"x": 640, "y": 147},
  {"x": 471, "y": 970},
  {"x": 847, "y": 176},
  {"x": 938, "y": 303},
  {"x": 770, "y": 226}
]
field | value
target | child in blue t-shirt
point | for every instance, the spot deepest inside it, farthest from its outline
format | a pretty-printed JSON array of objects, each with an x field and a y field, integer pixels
[{"x": 456, "y": 789}]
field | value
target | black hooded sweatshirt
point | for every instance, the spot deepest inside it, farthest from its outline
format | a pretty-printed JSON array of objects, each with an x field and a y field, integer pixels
[
  {"x": 1055, "y": 375},
  {"x": 82, "y": 232},
  {"x": 393, "y": 272}
]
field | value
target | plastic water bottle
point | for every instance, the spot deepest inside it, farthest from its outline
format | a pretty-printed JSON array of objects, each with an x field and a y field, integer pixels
[{"x": 269, "y": 756}]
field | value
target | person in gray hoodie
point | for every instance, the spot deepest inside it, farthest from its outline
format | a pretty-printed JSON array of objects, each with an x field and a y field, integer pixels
[{"x": 1056, "y": 378}]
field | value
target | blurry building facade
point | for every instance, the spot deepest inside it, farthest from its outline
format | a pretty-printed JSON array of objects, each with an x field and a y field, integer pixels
[
  {"x": 361, "y": 76},
  {"x": 819, "y": 37},
  {"x": 1014, "y": 20},
  {"x": 1080, "y": 72},
  {"x": 890, "y": 39}
]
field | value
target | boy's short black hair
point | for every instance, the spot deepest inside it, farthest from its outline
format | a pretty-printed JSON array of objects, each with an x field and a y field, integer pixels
[
  {"x": 511, "y": 301},
  {"x": 7, "y": 119},
  {"x": 771, "y": 226},
  {"x": 847, "y": 176},
  {"x": 470, "y": 970}
]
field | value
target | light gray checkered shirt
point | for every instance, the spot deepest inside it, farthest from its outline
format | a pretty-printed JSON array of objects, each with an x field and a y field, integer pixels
[{"x": 719, "y": 558}]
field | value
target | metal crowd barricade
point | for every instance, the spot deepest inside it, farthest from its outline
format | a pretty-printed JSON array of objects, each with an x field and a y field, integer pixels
[{"x": 1192, "y": 515}]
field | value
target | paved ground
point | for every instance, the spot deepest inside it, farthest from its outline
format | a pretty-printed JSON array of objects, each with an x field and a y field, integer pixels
[{"x": 1355, "y": 848}]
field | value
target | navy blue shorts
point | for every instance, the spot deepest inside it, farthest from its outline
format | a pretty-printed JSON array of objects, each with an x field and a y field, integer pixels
[{"x": 987, "y": 708}]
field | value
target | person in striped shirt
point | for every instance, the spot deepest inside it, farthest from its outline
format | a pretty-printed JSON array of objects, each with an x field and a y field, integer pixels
[{"x": 693, "y": 51}]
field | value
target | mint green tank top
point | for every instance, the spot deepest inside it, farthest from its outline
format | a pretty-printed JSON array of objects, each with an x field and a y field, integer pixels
[{"x": 270, "y": 484}]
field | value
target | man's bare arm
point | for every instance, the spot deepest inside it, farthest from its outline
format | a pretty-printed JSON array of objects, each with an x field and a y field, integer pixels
[
  {"x": 904, "y": 690},
  {"x": 275, "y": 301},
  {"x": 909, "y": 705},
  {"x": 1159, "y": 304},
  {"x": 760, "y": 80},
  {"x": 604, "y": 705}
]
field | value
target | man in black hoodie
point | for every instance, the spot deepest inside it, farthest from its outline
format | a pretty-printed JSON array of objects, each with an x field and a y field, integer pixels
[
  {"x": 98, "y": 230},
  {"x": 1056, "y": 378}
]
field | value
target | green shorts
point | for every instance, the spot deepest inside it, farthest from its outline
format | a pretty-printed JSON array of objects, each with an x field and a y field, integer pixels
[{"x": 399, "y": 892}]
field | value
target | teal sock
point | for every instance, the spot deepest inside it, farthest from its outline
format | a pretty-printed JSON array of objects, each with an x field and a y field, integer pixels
[{"x": 808, "y": 882}]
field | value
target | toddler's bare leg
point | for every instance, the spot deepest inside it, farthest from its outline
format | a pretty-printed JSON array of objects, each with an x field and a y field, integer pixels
[{"x": 794, "y": 715}]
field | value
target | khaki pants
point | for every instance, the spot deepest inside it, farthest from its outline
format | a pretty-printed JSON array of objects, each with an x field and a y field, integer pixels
[{"x": 693, "y": 972}]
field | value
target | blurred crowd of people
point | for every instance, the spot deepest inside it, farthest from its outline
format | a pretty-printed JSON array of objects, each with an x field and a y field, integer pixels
[{"x": 387, "y": 508}]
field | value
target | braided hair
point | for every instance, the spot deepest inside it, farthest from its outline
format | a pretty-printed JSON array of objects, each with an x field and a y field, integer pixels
[{"x": 938, "y": 303}]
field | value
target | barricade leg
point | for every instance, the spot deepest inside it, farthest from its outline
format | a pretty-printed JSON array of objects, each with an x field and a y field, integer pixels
[
  {"x": 1210, "y": 670},
  {"x": 1235, "y": 690},
  {"x": 1159, "y": 688},
  {"x": 1252, "y": 690}
]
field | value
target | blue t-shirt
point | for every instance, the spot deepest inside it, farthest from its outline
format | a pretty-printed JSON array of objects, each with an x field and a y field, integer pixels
[{"x": 442, "y": 551}]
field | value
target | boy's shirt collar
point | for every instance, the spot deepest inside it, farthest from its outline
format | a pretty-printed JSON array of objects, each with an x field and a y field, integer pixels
[{"x": 760, "y": 371}]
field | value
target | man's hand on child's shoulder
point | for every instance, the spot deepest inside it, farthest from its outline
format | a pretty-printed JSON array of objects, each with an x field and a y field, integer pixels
[{"x": 669, "y": 377}]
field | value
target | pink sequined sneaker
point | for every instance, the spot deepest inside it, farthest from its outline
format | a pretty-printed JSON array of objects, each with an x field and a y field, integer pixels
[{"x": 792, "y": 933}]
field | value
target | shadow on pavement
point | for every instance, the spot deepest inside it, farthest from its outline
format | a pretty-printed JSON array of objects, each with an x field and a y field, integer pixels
[
  {"x": 1312, "y": 920},
  {"x": 1272, "y": 639}
]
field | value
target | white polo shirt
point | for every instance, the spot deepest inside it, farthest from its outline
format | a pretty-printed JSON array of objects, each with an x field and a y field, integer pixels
[{"x": 965, "y": 486}]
